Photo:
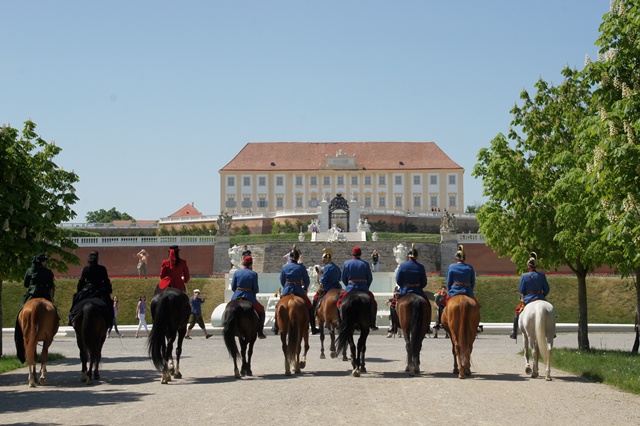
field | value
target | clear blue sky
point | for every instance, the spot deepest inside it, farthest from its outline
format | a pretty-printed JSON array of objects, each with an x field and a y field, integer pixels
[{"x": 149, "y": 99}]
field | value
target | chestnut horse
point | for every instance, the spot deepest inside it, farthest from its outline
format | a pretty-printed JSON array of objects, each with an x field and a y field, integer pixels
[
  {"x": 37, "y": 322},
  {"x": 414, "y": 315},
  {"x": 460, "y": 319},
  {"x": 170, "y": 310},
  {"x": 240, "y": 320},
  {"x": 91, "y": 325},
  {"x": 538, "y": 324},
  {"x": 292, "y": 317},
  {"x": 327, "y": 316},
  {"x": 355, "y": 312}
]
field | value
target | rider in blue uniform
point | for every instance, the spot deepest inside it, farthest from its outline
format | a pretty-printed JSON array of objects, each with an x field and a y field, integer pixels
[
  {"x": 245, "y": 286},
  {"x": 329, "y": 280},
  {"x": 533, "y": 286},
  {"x": 461, "y": 278},
  {"x": 356, "y": 274},
  {"x": 412, "y": 278}
]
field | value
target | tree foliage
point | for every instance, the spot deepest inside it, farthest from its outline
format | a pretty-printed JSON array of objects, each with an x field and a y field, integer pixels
[
  {"x": 35, "y": 197},
  {"x": 107, "y": 216}
]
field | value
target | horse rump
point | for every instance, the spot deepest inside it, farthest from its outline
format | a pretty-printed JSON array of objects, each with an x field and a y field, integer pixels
[
  {"x": 170, "y": 312},
  {"x": 238, "y": 320}
]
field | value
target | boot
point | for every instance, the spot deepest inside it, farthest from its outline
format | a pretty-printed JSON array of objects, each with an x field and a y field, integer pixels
[
  {"x": 312, "y": 322},
  {"x": 514, "y": 333},
  {"x": 275, "y": 328},
  {"x": 374, "y": 318},
  {"x": 261, "y": 317}
]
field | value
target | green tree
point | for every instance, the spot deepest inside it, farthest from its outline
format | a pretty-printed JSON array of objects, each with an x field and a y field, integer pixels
[
  {"x": 473, "y": 208},
  {"x": 537, "y": 196},
  {"x": 615, "y": 169},
  {"x": 35, "y": 197},
  {"x": 104, "y": 216}
]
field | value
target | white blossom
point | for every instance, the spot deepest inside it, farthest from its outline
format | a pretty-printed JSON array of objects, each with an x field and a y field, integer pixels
[
  {"x": 5, "y": 227},
  {"x": 587, "y": 60}
]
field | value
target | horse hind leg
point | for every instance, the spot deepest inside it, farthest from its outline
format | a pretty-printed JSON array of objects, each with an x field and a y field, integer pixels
[
  {"x": 322, "y": 355},
  {"x": 536, "y": 358},
  {"x": 32, "y": 376}
]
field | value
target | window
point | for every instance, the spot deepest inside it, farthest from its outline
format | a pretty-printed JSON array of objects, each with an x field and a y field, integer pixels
[
  {"x": 231, "y": 203},
  {"x": 367, "y": 180},
  {"x": 262, "y": 201},
  {"x": 354, "y": 180},
  {"x": 326, "y": 180},
  {"x": 398, "y": 180},
  {"x": 433, "y": 179},
  {"x": 279, "y": 202},
  {"x": 416, "y": 201},
  {"x": 246, "y": 181},
  {"x": 398, "y": 200},
  {"x": 452, "y": 200},
  {"x": 298, "y": 202},
  {"x": 452, "y": 179},
  {"x": 298, "y": 180},
  {"x": 434, "y": 201},
  {"x": 416, "y": 179},
  {"x": 246, "y": 202},
  {"x": 313, "y": 180},
  {"x": 262, "y": 181},
  {"x": 340, "y": 180},
  {"x": 279, "y": 181},
  {"x": 382, "y": 202},
  {"x": 231, "y": 181},
  {"x": 367, "y": 201},
  {"x": 382, "y": 180},
  {"x": 313, "y": 202}
]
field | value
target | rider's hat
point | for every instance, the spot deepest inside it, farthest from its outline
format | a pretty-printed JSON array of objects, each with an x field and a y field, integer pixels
[
  {"x": 40, "y": 257},
  {"x": 327, "y": 253},
  {"x": 413, "y": 253},
  {"x": 533, "y": 259},
  {"x": 356, "y": 251},
  {"x": 247, "y": 261}
]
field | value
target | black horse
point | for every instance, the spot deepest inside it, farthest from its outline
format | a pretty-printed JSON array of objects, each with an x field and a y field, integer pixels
[
  {"x": 91, "y": 325},
  {"x": 355, "y": 314},
  {"x": 241, "y": 321},
  {"x": 170, "y": 311}
]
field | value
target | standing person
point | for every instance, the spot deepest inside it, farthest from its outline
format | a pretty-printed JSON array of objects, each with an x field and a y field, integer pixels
[
  {"x": 375, "y": 260},
  {"x": 533, "y": 286},
  {"x": 143, "y": 258},
  {"x": 294, "y": 279},
  {"x": 94, "y": 282},
  {"x": 141, "y": 311},
  {"x": 356, "y": 274},
  {"x": 441, "y": 300},
  {"x": 329, "y": 280},
  {"x": 174, "y": 271},
  {"x": 196, "y": 302},
  {"x": 246, "y": 252},
  {"x": 393, "y": 315},
  {"x": 116, "y": 306},
  {"x": 245, "y": 286}
]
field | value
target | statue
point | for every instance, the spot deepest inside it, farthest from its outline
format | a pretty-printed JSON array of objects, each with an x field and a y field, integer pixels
[
  {"x": 314, "y": 226},
  {"x": 224, "y": 224},
  {"x": 448, "y": 223},
  {"x": 336, "y": 235},
  {"x": 400, "y": 252},
  {"x": 235, "y": 255}
]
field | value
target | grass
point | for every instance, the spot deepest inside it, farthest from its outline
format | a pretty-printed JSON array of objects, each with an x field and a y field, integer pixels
[
  {"x": 615, "y": 368},
  {"x": 11, "y": 362}
]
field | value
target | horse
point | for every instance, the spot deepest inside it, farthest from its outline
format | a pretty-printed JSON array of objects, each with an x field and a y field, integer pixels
[
  {"x": 170, "y": 310},
  {"x": 327, "y": 316},
  {"x": 91, "y": 325},
  {"x": 37, "y": 322},
  {"x": 292, "y": 317},
  {"x": 538, "y": 324},
  {"x": 240, "y": 320},
  {"x": 460, "y": 320},
  {"x": 414, "y": 315},
  {"x": 355, "y": 311}
]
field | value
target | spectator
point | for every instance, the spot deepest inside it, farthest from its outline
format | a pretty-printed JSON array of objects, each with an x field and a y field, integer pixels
[
  {"x": 246, "y": 252},
  {"x": 196, "y": 314},
  {"x": 141, "y": 310},
  {"x": 116, "y": 306},
  {"x": 143, "y": 257},
  {"x": 375, "y": 261}
]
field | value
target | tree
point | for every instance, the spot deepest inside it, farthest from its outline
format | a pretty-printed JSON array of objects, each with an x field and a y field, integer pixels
[
  {"x": 104, "y": 216},
  {"x": 35, "y": 196},
  {"x": 615, "y": 169},
  {"x": 537, "y": 195},
  {"x": 473, "y": 208}
]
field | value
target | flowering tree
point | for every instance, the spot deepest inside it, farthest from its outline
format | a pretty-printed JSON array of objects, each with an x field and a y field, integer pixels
[{"x": 35, "y": 196}]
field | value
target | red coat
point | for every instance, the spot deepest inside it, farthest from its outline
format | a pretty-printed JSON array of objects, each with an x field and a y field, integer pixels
[{"x": 174, "y": 277}]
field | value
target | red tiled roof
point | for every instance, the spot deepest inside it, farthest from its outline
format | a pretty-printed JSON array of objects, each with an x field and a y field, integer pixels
[
  {"x": 187, "y": 210},
  {"x": 285, "y": 156}
]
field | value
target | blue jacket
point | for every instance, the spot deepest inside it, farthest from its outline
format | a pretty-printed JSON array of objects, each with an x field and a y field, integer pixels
[
  {"x": 294, "y": 279},
  {"x": 534, "y": 286},
  {"x": 196, "y": 305},
  {"x": 245, "y": 285},
  {"x": 411, "y": 278},
  {"x": 330, "y": 278},
  {"x": 464, "y": 275},
  {"x": 356, "y": 275}
]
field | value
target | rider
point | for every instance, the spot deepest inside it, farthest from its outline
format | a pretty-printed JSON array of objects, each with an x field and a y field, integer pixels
[
  {"x": 329, "y": 280},
  {"x": 356, "y": 274},
  {"x": 39, "y": 279},
  {"x": 461, "y": 278},
  {"x": 533, "y": 286},
  {"x": 412, "y": 277},
  {"x": 245, "y": 286},
  {"x": 294, "y": 279},
  {"x": 94, "y": 282},
  {"x": 174, "y": 271}
]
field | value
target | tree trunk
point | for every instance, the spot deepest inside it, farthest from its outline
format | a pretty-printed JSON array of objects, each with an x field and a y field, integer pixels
[
  {"x": 636, "y": 281},
  {"x": 583, "y": 324}
]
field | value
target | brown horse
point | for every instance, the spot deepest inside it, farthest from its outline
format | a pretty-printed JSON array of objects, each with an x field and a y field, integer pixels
[
  {"x": 37, "y": 322},
  {"x": 91, "y": 328},
  {"x": 460, "y": 319},
  {"x": 414, "y": 315},
  {"x": 327, "y": 316},
  {"x": 292, "y": 317}
]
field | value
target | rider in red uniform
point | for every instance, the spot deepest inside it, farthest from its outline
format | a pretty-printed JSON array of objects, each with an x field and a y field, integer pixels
[{"x": 174, "y": 271}]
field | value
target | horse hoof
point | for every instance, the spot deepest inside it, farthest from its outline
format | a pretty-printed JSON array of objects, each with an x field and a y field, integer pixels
[
  {"x": 548, "y": 378},
  {"x": 456, "y": 371},
  {"x": 32, "y": 385},
  {"x": 43, "y": 382},
  {"x": 356, "y": 373},
  {"x": 527, "y": 370},
  {"x": 363, "y": 370},
  {"x": 164, "y": 381},
  {"x": 322, "y": 356},
  {"x": 249, "y": 373},
  {"x": 237, "y": 375},
  {"x": 534, "y": 375},
  {"x": 96, "y": 376},
  {"x": 334, "y": 355},
  {"x": 302, "y": 365},
  {"x": 406, "y": 368},
  {"x": 89, "y": 382}
]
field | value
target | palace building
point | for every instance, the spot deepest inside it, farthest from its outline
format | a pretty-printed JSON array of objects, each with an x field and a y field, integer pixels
[{"x": 296, "y": 177}]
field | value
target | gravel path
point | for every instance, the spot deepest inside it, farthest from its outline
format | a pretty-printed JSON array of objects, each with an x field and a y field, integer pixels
[{"x": 497, "y": 393}]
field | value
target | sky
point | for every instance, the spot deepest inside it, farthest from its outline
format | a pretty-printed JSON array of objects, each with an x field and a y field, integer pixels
[{"x": 150, "y": 99}]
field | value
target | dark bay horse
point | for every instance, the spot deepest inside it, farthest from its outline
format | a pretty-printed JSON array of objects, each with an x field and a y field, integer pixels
[
  {"x": 327, "y": 316},
  {"x": 240, "y": 320},
  {"x": 91, "y": 325},
  {"x": 170, "y": 311},
  {"x": 355, "y": 312},
  {"x": 460, "y": 319},
  {"x": 414, "y": 315},
  {"x": 37, "y": 322},
  {"x": 292, "y": 316}
]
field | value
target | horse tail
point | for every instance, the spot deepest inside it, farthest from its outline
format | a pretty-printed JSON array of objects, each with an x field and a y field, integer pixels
[
  {"x": 347, "y": 324},
  {"x": 90, "y": 314},
  {"x": 293, "y": 335},
  {"x": 416, "y": 326},
  {"x": 18, "y": 336},
  {"x": 230, "y": 322},
  {"x": 545, "y": 329},
  {"x": 156, "y": 343}
]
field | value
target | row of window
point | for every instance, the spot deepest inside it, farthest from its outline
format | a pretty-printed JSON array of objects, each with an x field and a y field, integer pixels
[
  {"x": 326, "y": 180},
  {"x": 313, "y": 201}
]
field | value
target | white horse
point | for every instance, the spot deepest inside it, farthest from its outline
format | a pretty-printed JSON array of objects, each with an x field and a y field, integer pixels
[{"x": 538, "y": 324}]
